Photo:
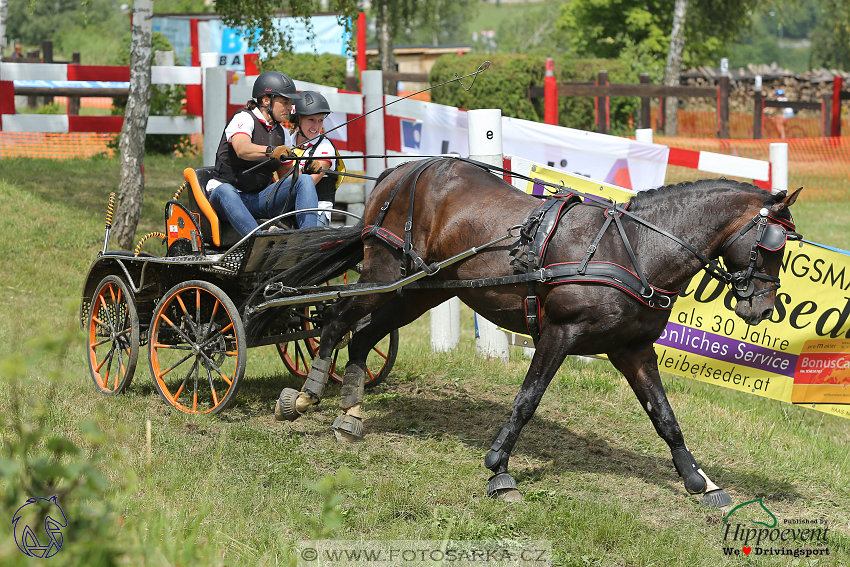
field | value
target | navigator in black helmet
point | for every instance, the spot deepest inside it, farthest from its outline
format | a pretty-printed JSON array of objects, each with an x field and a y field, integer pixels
[
  {"x": 311, "y": 103},
  {"x": 274, "y": 83}
]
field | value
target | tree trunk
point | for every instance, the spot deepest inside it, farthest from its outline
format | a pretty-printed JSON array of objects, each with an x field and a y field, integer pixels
[
  {"x": 674, "y": 66},
  {"x": 131, "y": 146},
  {"x": 385, "y": 46},
  {"x": 3, "y": 9}
]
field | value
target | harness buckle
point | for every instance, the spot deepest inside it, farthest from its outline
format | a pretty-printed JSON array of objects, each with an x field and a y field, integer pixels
[
  {"x": 385, "y": 206},
  {"x": 407, "y": 226}
]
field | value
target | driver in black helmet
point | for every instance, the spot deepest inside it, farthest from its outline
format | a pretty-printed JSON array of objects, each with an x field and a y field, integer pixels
[
  {"x": 309, "y": 138},
  {"x": 254, "y": 136}
]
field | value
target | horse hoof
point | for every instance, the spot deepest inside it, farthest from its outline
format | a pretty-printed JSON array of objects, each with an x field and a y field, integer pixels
[
  {"x": 348, "y": 429},
  {"x": 502, "y": 486},
  {"x": 512, "y": 495},
  {"x": 716, "y": 498},
  {"x": 284, "y": 409}
]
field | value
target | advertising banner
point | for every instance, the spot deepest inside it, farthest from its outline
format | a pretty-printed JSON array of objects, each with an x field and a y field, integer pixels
[
  {"x": 801, "y": 355},
  {"x": 620, "y": 161},
  {"x": 323, "y": 35}
]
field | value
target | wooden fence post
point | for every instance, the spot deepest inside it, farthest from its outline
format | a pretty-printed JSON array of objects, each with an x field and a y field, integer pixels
[
  {"x": 660, "y": 127},
  {"x": 645, "y": 106},
  {"x": 603, "y": 120},
  {"x": 47, "y": 50},
  {"x": 825, "y": 115},
  {"x": 837, "y": 86},
  {"x": 758, "y": 112},
  {"x": 723, "y": 108}
]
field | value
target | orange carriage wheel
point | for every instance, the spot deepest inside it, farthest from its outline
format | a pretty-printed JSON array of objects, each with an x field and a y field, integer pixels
[
  {"x": 197, "y": 348},
  {"x": 113, "y": 336}
]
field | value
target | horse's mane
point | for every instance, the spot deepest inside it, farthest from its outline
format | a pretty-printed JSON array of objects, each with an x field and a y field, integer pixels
[{"x": 693, "y": 190}]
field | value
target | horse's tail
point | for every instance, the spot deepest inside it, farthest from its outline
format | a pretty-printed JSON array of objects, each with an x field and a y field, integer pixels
[{"x": 319, "y": 255}]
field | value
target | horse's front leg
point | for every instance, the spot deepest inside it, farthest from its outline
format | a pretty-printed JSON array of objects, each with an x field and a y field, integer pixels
[
  {"x": 552, "y": 349},
  {"x": 640, "y": 367}
]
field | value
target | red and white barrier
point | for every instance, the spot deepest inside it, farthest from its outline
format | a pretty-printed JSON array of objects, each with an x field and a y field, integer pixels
[{"x": 58, "y": 123}]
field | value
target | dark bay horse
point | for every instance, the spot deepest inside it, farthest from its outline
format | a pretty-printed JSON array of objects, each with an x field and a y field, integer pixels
[{"x": 458, "y": 206}]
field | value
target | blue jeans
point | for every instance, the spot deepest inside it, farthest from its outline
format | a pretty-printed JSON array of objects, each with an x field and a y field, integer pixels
[{"x": 242, "y": 209}]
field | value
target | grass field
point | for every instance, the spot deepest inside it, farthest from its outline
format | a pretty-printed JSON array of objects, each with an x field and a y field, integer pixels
[{"x": 241, "y": 488}]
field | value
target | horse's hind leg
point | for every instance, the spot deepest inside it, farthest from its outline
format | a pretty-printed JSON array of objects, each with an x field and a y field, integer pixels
[
  {"x": 641, "y": 370},
  {"x": 338, "y": 320},
  {"x": 399, "y": 311}
]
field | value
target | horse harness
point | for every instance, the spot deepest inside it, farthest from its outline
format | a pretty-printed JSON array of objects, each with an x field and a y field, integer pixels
[{"x": 534, "y": 235}]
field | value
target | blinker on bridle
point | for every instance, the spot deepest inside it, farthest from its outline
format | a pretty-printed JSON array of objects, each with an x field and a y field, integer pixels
[{"x": 771, "y": 234}]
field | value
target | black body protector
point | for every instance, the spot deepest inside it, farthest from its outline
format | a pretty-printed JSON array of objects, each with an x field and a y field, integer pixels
[{"x": 230, "y": 168}]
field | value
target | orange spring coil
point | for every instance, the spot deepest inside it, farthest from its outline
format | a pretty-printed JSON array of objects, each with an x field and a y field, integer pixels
[
  {"x": 110, "y": 210},
  {"x": 179, "y": 191},
  {"x": 138, "y": 249}
]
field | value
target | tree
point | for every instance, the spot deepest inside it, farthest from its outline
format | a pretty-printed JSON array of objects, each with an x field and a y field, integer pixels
[
  {"x": 259, "y": 15},
  {"x": 34, "y": 21},
  {"x": 131, "y": 147},
  {"x": 439, "y": 22},
  {"x": 674, "y": 66},
  {"x": 604, "y": 28},
  {"x": 831, "y": 39},
  {"x": 438, "y": 19},
  {"x": 534, "y": 31}
]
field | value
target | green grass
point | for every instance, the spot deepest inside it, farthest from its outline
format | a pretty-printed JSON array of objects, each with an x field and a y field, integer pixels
[{"x": 239, "y": 489}]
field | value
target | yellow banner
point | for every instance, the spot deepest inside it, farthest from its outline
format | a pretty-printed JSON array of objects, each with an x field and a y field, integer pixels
[{"x": 801, "y": 355}]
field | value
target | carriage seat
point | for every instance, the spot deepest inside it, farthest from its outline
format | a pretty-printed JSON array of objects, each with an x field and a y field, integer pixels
[{"x": 216, "y": 231}]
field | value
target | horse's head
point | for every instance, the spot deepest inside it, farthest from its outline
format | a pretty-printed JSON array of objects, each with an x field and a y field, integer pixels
[{"x": 753, "y": 254}]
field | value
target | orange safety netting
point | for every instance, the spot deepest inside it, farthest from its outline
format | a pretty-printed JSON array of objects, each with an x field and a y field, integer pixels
[
  {"x": 71, "y": 145},
  {"x": 820, "y": 165},
  {"x": 703, "y": 124}
]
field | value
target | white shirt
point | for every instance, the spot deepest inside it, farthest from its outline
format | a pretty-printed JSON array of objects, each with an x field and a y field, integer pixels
[{"x": 324, "y": 151}]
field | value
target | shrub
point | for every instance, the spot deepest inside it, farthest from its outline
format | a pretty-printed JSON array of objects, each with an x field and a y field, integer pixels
[
  {"x": 324, "y": 69},
  {"x": 505, "y": 85}
]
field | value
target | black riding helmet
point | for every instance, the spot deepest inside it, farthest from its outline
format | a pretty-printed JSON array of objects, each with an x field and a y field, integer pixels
[
  {"x": 311, "y": 103},
  {"x": 274, "y": 83}
]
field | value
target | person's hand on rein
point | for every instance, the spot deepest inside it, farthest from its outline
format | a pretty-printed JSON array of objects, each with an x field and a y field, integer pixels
[
  {"x": 280, "y": 152},
  {"x": 312, "y": 166}
]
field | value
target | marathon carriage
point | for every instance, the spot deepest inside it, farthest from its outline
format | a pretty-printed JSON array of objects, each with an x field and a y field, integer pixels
[{"x": 187, "y": 308}]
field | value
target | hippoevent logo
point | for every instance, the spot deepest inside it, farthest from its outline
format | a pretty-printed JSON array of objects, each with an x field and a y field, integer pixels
[
  {"x": 752, "y": 529},
  {"x": 27, "y": 520}
]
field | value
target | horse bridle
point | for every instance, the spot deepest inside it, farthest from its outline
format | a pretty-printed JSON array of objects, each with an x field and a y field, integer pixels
[{"x": 770, "y": 236}]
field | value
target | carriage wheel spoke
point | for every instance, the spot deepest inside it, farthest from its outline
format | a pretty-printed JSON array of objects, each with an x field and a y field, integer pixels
[
  {"x": 186, "y": 315},
  {"x": 179, "y": 332},
  {"x": 97, "y": 344},
  {"x": 211, "y": 364},
  {"x": 212, "y": 317},
  {"x": 209, "y": 375},
  {"x": 333, "y": 365},
  {"x": 185, "y": 380},
  {"x": 175, "y": 365},
  {"x": 299, "y": 357}
]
